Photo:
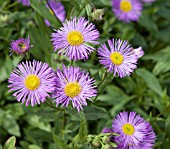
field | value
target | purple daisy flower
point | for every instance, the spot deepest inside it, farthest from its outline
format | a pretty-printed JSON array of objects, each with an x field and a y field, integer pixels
[
  {"x": 32, "y": 82},
  {"x": 134, "y": 132},
  {"x": 74, "y": 39},
  {"x": 20, "y": 46},
  {"x": 24, "y": 2},
  {"x": 118, "y": 58},
  {"x": 57, "y": 9},
  {"x": 127, "y": 10},
  {"x": 73, "y": 85}
]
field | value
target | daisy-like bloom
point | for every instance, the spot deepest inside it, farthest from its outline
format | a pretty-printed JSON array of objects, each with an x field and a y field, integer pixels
[
  {"x": 118, "y": 57},
  {"x": 74, "y": 39},
  {"x": 127, "y": 10},
  {"x": 134, "y": 132},
  {"x": 24, "y": 2},
  {"x": 73, "y": 85},
  {"x": 57, "y": 9},
  {"x": 20, "y": 46},
  {"x": 32, "y": 82}
]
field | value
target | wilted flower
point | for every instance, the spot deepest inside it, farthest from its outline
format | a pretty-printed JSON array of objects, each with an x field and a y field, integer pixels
[
  {"x": 74, "y": 39},
  {"x": 134, "y": 131},
  {"x": 32, "y": 82},
  {"x": 97, "y": 14},
  {"x": 73, "y": 85},
  {"x": 25, "y": 2},
  {"x": 127, "y": 10},
  {"x": 20, "y": 46},
  {"x": 119, "y": 57}
]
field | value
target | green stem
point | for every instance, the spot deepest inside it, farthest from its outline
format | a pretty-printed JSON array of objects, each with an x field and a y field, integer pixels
[
  {"x": 161, "y": 113},
  {"x": 100, "y": 83},
  {"x": 71, "y": 62},
  {"x": 50, "y": 104},
  {"x": 102, "y": 80},
  {"x": 63, "y": 125}
]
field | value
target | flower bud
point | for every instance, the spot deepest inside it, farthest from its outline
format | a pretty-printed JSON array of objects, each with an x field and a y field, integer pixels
[
  {"x": 105, "y": 139},
  {"x": 96, "y": 143},
  {"x": 107, "y": 146},
  {"x": 97, "y": 14}
]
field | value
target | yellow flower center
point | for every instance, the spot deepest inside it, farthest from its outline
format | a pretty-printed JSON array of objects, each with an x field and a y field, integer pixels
[
  {"x": 125, "y": 6},
  {"x": 22, "y": 46},
  {"x": 72, "y": 89},
  {"x": 32, "y": 82},
  {"x": 75, "y": 38},
  {"x": 116, "y": 58},
  {"x": 128, "y": 129}
]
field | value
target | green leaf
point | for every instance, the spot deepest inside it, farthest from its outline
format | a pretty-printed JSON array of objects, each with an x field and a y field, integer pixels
[
  {"x": 164, "y": 12},
  {"x": 83, "y": 129},
  {"x": 94, "y": 113},
  {"x": 33, "y": 146},
  {"x": 149, "y": 24},
  {"x": 88, "y": 9},
  {"x": 37, "y": 135},
  {"x": 151, "y": 81},
  {"x": 10, "y": 143},
  {"x": 11, "y": 125},
  {"x": 75, "y": 115},
  {"x": 60, "y": 143},
  {"x": 15, "y": 109},
  {"x": 161, "y": 67}
]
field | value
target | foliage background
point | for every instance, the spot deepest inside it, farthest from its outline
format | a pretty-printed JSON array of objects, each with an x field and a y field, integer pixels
[{"x": 146, "y": 91}]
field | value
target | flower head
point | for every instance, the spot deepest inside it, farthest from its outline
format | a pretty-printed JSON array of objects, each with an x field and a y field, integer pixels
[
  {"x": 57, "y": 9},
  {"x": 127, "y": 10},
  {"x": 134, "y": 132},
  {"x": 73, "y": 85},
  {"x": 74, "y": 39},
  {"x": 32, "y": 82},
  {"x": 25, "y": 2},
  {"x": 118, "y": 58},
  {"x": 20, "y": 46}
]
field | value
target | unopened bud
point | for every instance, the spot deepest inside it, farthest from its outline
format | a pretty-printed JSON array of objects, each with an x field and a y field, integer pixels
[
  {"x": 107, "y": 146},
  {"x": 96, "y": 143},
  {"x": 89, "y": 138},
  {"x": 105, "y": 139}
]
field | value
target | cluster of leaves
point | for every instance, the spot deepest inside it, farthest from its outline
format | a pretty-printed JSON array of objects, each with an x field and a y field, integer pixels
[{"x": 146, "y": 91}]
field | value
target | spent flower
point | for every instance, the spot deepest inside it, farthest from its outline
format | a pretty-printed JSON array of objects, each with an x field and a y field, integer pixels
[{"x": 20, "y": 46}]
